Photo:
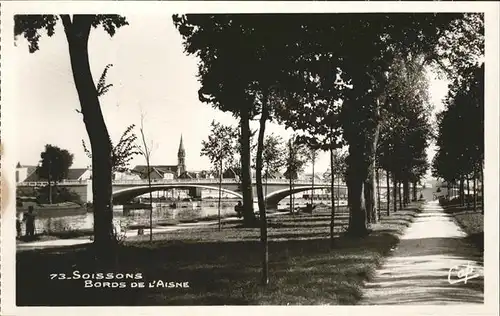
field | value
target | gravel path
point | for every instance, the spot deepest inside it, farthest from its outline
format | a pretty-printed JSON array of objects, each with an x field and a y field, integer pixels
[{"x": 418, "y": 271}]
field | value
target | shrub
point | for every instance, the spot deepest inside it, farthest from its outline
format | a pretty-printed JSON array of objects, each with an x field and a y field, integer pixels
[{"x": 59, "y": 195}]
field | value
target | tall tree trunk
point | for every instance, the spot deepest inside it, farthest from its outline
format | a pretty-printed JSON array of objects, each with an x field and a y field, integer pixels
[
  {"x": 474, "y": 188},
  {"x": 399, "y": 196},
  {"x": 377, "y": 174},
  {"x": 312, "y": 191},
  {"x": 332, "y": 186},
  {"x": 265, "y": 188},
  {"x": 291, "y": 195},
  {"x": 246, "y": 176},
  {"x": 50, "y": 183},
  {"x": 148, "y": 166},
  {"x": 415, "y": 198},
  {"x": 290, "y": 173},
  {"x": 260, "y": 195},
  {"x": 369, "y": 185},
  {"x": 467, "y": 199},
  {"x": 482, "y": 189},
  {"x": 406, "y": 192},
  {"x": 356, "y": 174},
  {"x": 338, "y": 191},
  {"x": 220, "y": 193},
  {"x": 368, "y": 191},
  {"x": 77, "y": 34},
  {"x": 394, "y": 192},
  {"x": 150, "y": 205},
  {"x": 461, "y": 193},
  {"x": 448, "y": 188},
  {"x": 388, "y": 192}
]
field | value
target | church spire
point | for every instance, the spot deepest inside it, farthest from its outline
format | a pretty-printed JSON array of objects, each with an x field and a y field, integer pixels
[
  {"x": 181, "y": 148},
  {"x": 181, "y": 159}
]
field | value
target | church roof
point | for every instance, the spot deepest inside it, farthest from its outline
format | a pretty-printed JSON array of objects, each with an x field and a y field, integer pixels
[{"x": 159, "y": 170}]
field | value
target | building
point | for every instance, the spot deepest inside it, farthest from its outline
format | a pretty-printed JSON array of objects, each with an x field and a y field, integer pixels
[
  {"x": 23, "y": 172},
  {"x": 167, "y": 172},
  {"x": 29, "y": 174}
]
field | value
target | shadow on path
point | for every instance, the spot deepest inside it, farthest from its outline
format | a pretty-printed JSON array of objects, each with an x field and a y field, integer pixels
[{"x": 418, "y": 271}]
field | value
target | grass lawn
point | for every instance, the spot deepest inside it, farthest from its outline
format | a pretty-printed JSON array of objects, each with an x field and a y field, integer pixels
[
  {"x": 472, "y": 223},
  {"x": 223, "y": 268}
]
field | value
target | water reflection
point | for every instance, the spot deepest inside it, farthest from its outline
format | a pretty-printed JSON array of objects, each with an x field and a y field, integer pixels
[{"x": 162, "y": 215}]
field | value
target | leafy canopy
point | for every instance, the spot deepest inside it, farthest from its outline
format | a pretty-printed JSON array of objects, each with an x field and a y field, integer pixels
[{"x": 55, "y": 163}]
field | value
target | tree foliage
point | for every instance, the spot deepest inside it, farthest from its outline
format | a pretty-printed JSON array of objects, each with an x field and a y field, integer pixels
[
  {"x": 461, "y": 150},
  {"x": 339, "y": 166},
  {"x": 220, "y": 146},
  {"x": 297, "y": 156},
  {"x": 55, "y": 163},
  {"x": 273, "y": 155},
  {"x": 122, "y": 152},
  {"x": 31, "y": 26}
]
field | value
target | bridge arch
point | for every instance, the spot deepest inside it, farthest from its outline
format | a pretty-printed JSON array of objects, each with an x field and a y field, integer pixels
[
  {"x": 124, "y": 195},
  {"x": 275, "y": 197}
]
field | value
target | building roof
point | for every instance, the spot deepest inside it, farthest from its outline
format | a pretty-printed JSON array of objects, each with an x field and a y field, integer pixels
[
  {"x": 159, "y": 170},
  {"x": 76, "y": 173},
  {"x": 317, "y": 176},
  {"x": 275, "y": 175},
  {"x": 73, "y": 174},
  {"x": 188, "y": 175}
]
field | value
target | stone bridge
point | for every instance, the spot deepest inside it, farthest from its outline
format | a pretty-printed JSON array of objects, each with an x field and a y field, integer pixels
[{"x": 125, "y": 190}]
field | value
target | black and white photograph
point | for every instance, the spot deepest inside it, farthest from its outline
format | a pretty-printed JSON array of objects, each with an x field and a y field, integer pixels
[{"x": 189, "y": 157}]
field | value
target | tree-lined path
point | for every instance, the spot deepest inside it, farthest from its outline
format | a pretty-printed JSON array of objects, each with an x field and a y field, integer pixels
[{"x": 417, "y": 272}]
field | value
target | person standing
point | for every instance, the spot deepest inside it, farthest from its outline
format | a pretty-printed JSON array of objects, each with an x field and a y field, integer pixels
[
  {"x": 30, "y": 222},
  {"x": 239, "y": 209},
  {"x": 18, "y": 225}
]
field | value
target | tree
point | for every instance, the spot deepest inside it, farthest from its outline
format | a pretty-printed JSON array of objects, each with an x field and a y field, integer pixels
[
  {"x": 219, "y": 148},
  {"x": 337, "y": 171},
  {"x": 243, "y": 79},
  {"x": 312, "y": 156},
  {"x": 464, "y": 107},
  {"x": 123, "y": 152},
  {"x": 360, "y": 57},
  {"x": 224, "y": 76},
  {"x": 297, "y": 157},
  {"x": 239, "y": 152},
  {"x": 77, "y": 30},
  {"x": 145, "y": 151},
  {"x": 273, "y": 156},
  {"x": 54, "y": 165},
  {"x": 406, "y": 130}
]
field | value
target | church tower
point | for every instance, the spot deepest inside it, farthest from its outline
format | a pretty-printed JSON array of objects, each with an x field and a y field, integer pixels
[{"x": 181, "y": 159}]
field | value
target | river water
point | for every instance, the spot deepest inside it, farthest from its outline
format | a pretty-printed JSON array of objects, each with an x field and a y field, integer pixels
[{"x": 134, "y": 218}]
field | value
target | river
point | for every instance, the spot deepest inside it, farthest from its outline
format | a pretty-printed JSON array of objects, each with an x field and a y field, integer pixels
[{"x": 162, "y": 215}]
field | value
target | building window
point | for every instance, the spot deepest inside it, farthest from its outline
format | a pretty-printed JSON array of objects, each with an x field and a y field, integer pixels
[{"x": 17, "y": 176}]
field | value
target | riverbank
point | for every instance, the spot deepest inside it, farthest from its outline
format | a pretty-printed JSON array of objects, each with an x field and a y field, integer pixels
[
  {"x": 76, "y": 226},
  {"x": 224, "y": 267},
  {"x": 50, "y": 239}
]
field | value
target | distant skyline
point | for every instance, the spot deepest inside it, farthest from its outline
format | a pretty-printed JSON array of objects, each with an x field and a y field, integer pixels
[{"x": 151, "y": 74}]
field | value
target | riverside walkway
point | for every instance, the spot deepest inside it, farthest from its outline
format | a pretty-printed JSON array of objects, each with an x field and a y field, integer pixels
[
  {"x": 57, "y": 243},
  {"x": 429, "y": 266}
]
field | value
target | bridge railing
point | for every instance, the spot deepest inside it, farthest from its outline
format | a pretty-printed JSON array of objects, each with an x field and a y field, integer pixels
[
  {"x": 214, "y": 181},
  {"x": 44, "y": 183},
  {"x": 171, "y": 181}
]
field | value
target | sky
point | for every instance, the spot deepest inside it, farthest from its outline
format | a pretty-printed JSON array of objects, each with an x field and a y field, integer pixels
[{"x": 151, "y": 75}]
